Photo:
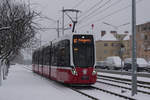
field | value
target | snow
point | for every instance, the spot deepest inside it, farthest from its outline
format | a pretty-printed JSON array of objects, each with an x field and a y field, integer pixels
[
  {"x": 22, "y": 84},
  {"x": 125, "y": 77},
  {"x": 108, "y": 37},
  {"x": 139, "y": 96},
  {"x": 127, "y": 37},
  {"x": 140, "y": 61},
  {"x": 5, "y": 28},
  {"x": 100, "y": 94}
]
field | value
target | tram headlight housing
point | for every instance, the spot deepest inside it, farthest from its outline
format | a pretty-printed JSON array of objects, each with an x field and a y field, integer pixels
[
  {"x": 74, "y": 72},
  {"x": 94, "y": 72}
]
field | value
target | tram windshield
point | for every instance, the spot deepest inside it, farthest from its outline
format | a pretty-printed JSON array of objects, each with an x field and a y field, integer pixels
[{"x": 83, "y": 50}]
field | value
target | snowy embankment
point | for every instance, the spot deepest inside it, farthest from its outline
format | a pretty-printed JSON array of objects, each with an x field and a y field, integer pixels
[{"x": 22, "y": 84}]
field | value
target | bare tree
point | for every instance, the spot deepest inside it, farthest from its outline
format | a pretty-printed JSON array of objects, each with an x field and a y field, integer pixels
[{"x": 17, "y": 28}]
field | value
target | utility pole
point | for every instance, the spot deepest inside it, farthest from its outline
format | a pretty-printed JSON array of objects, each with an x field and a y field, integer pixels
[
  {"x": 0, "y": 73},
  {"x": 63, "y": 21},
  {"x": 134, "y": 67},
  {"x": 58, "y": 28}
]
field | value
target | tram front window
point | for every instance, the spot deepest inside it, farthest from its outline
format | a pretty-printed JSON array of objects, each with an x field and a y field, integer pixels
[{"x": 83, "y": 53}]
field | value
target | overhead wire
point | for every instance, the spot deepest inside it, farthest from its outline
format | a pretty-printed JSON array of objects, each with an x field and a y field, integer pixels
[
  {"x": 48, "y": 18},
  {"x": 97, "y": 9},
  {"x": 101, "y": 11},
  {"x": 115, "y": 12},
  {"x": 79, "y": 3},
  {"x": 88, "y": 10}
]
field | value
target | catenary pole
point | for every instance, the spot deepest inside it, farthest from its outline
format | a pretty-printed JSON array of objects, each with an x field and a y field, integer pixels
[
  {"x": 58, "y": 28},
  {"x": 63, "y": 21},
  {"x": 134, "y": 67}
]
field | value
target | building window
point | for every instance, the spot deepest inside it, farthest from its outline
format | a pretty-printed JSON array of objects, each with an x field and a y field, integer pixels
[
  {"x": 105, "y": 51},
  {"x": 142, "y": 36},
  {"x": 144, "y": 28},
  {"x": 138, "y": 29},
  {"x": 105, "y": 44},
  {"x": 145, "y": 37},
  {"x": 112, "y": 44}
]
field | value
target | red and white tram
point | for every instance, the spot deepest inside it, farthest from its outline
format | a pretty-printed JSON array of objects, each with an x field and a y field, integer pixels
[{"x": 69, "y": 59}]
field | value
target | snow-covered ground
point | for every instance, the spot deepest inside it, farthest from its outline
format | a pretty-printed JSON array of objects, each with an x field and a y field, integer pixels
[
  {"x": 139, "y": 96},
  {"x": 22, "y": 84}
]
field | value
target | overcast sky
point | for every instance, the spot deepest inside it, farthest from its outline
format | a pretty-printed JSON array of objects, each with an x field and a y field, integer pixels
[
  {"x": 96, "y": 16},
  {"x": 52, "y": 9}
]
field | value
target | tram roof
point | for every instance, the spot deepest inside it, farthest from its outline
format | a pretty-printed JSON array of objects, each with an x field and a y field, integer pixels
[{"x": 68, "y": 36}]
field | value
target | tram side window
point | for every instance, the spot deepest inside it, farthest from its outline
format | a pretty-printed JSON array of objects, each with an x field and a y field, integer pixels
[
  {"x": 61, "y": 54},
  {"x": 44, "y": 56},
  {"x": 47, "y": 55},
  {"x": 64, "y": 53},
  {"x": 41, "y": 57},
  {"x": 43, "y": 51},
  {"x": 33, "y": 58},
  {"x": 36, "y": 57},
  {"x": 54, "y": 56},
  {"x": 67, "y": 53}
]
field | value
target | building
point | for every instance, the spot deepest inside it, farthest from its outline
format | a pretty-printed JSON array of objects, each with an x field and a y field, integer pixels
[
  {"x": 113, "y": 44},
  {"x": 108, "y": 45},
  {"x": 143, "y": 40}
]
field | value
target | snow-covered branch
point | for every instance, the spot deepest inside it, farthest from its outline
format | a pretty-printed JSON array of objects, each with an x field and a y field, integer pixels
[
  {"x": 20, "y": 27},
  {"x": 4, "y": 28}
]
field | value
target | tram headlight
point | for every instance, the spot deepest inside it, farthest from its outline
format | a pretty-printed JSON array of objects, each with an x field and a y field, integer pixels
[
  {"x": 74, "y": 72},
  {"x": 94, "y": 72}
]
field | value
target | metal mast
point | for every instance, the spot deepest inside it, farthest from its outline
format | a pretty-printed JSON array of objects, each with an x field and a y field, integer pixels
[
  {"x": 58, "y": 28},
  {"x": 63, "y": 21},
  {"x": 134, "y": 67}
]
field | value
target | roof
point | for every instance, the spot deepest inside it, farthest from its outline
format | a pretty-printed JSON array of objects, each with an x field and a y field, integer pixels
[
  {"x": 108, "y": 37},
  {"x": 127, "y": 37}
]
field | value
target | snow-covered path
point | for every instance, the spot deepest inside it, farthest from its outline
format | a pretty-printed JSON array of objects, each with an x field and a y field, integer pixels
[{"x": 22, "y": 84}]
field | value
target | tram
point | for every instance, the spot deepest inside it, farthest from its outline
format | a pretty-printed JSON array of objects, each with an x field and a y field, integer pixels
[{"x": 69, "y": 59}]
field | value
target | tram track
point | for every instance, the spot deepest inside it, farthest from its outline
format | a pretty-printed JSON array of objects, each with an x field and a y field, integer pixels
[
  {"x": 113, "y": 81},
  {"x": 83, "y": 93},
  {"x": 26, "y": 67},
  {"x": 100, "y": 90},
  {"x": 123, "y": 87},
  {"x": 113, "y": 93},
  {"x": 122, "y": 79},
  {"x": 122, "y": 82}
]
